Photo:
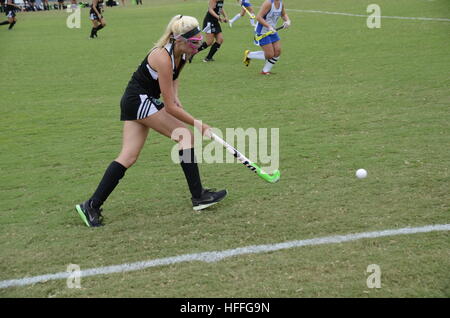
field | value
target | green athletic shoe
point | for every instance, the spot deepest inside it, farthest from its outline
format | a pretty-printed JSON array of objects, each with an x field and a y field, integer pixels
[{"x": 92, "y": 217}]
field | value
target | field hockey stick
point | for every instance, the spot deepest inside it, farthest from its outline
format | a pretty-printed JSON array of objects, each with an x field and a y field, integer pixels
[
  {"x": 248, "y": 12},
  {"x": 262, "y": 36},
  {"x": 272, "y": 178},
  {"x": 207, "y": 29}
]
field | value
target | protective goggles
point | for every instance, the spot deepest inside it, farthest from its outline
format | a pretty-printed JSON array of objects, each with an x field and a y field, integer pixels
[{"x": 193, "y": 38}]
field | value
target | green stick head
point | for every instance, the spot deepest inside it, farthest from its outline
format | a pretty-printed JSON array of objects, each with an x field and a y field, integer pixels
[{"x": 272, "y": 178}]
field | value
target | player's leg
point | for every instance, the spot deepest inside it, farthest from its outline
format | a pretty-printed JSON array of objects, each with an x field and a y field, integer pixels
[
  {"x": 134, "y": 136},
  {"x": 267, "y": 53},
  {"x": 101, "y": 25},
  {"x": 236, "y": 17},
  {"x": 215, "y": 47},
  {"x": 268, "y": 50},
  {"x": 253, "y": 55},
  {"x": 209, "y": 29},
  {"x": 12, "y": 21},
  {"x": 272, "y": 53},
  {"x": 8, "y": 21},
  {"x": 95, "y": 24},
  {"x": 171, "y": 127}
]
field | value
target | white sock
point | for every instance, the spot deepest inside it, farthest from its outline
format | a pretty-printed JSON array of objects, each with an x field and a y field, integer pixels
[
  {"x": 237, "y": 16},
  {"x": 252, "y": 21},
  {"x": 270, "y": 63},
  {"x": 258, "y": 55}
]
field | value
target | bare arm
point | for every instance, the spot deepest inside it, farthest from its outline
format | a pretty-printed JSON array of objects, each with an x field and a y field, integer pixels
[
  {"x": 265, "y": 8},
  {"x": 94, "y": 6},
  {"x": 212, "y": 5},
  {"x": 284, "y": 15},
  {"x": 161, "y": 62},
  {"x": 175, "y": 89},
  {"x": 225, "y": 15}
]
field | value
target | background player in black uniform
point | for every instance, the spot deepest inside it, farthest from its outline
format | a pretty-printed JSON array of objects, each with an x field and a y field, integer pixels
[
  {"x": 95, "y": 14},
  {"x": 10, "y": 14},
  {"x": 45, "y": 5},
  {"x": 142, "y": 110},
  {"x": 211, "y": 23}
]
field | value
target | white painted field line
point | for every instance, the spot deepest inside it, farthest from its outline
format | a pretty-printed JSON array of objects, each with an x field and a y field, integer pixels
[
  {"x": 216, "y": 256},
  {"x": 366, "y": 16},
  {"x": 363, "y": 15}
]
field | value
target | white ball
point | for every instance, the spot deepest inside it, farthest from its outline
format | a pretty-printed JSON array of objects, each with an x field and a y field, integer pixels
[{"x": 361, "y": 173}]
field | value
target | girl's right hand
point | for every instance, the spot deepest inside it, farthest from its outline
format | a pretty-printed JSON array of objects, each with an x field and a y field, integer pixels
[
  {"x": 206, "y": 130},
  {"x": 287, "y": 24}
]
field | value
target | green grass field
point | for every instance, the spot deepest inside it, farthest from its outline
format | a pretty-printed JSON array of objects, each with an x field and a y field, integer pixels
[{"x": 344, "y": 97}]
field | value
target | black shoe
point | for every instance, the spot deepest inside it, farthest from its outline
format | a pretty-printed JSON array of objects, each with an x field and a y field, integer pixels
[
  {"x": 92, "y": 217},
  {"x": 208, "y": 198}
]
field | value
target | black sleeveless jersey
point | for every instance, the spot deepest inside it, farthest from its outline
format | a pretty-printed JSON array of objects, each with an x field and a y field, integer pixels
[
  {"x": 10, "y": 7},
  {"x": 217, "y": 10},
  {"x": 97, "y": 6},
  {"x": 145, "y": 79}
]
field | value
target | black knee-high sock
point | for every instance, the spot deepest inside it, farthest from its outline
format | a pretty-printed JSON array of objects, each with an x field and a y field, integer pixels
[
  {"x": 203, "y": 46},
  {"x": 93, "y": 32},
  {"x": 213, "y": 50},
  {"x": 11, "y": 25},
  {"x": 4, "y": 22},
  {"x": 190, "y": 168},
  {"x": 101, "y": 26},
  {"x": 110, "y": 180}
]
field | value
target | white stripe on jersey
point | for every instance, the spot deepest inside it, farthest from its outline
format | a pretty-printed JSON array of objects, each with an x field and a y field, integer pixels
[
  {"x": 153, "y": 73},
  {"x": 144, "y": 100},
  {"x": 146, "y": 108}
]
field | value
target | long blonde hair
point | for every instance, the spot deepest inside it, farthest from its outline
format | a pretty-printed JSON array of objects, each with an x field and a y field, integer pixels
[{"x": 179, "y": 24}]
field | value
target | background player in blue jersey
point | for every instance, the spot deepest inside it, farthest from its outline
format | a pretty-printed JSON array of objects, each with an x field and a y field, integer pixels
[
  {"x": 247, "y": 5},
  {"x": 268, "y": 17}
]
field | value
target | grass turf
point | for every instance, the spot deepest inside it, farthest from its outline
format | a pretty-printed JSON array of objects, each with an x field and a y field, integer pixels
[{"x": 344, "y": 97}]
